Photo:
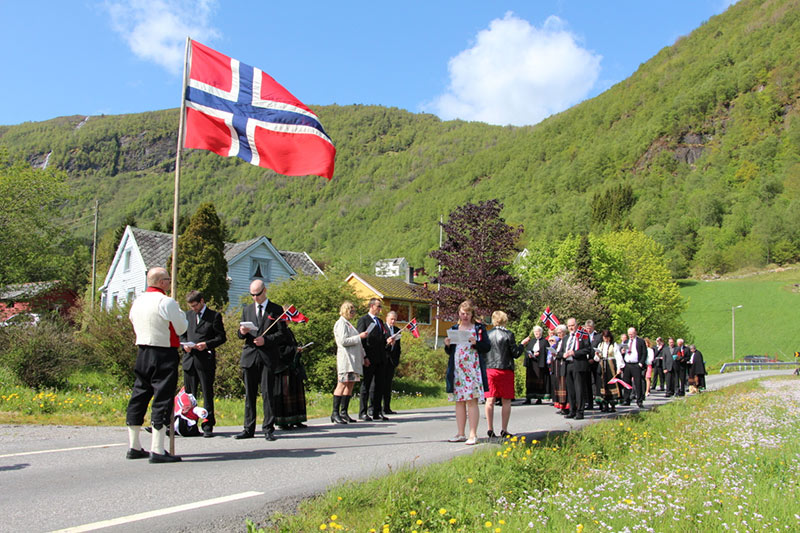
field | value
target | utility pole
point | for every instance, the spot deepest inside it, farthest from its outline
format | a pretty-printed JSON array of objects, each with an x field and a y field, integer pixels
[
  {"x": 94, "y": 255},
  {"x": 438, "y": 287}
]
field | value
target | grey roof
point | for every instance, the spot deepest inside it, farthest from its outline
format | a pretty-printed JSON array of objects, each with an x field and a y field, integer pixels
[
  {"x": 301, "y": 262},
  {"x": 156, "y": 247},
  {"x": 18, "y": 291},
  {"x": 390, "y": 261}
]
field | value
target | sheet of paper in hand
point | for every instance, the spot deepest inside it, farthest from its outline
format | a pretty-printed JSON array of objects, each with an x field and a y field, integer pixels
[
  {"x": 188, "y": 344},
  {"x": 249, "y": 325},
  {"x": 458, "y": 336}
]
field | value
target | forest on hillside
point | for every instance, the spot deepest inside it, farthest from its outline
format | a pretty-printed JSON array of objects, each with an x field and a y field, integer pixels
[{"x": 699, "y": 149}]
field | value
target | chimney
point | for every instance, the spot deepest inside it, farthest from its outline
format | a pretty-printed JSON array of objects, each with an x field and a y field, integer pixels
[{"x": 410, "y": 275}]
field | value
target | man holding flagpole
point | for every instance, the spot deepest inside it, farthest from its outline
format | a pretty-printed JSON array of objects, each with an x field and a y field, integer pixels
[
  {"x": 157, "y": 322},
  {"x": 262, "y": 330}
]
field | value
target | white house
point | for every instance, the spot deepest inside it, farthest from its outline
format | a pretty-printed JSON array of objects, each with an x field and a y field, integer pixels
[
  {"x": 391, "y": 268},
  {"x": 140, "y": 250}
]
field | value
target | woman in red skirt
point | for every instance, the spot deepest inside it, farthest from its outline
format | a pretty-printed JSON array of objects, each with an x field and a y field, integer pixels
[{"x": 500, "y": 370}]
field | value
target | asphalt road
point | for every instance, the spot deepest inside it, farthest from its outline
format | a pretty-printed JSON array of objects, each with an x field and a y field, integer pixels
[{"x": 77, "y": 478}]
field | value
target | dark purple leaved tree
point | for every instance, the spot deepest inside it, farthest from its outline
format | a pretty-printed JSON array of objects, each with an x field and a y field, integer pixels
[{"x": 478, "y": 248}]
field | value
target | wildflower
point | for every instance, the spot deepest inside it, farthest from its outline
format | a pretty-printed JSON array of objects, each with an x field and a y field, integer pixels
[
  {"x": 488, "y": 524},
  {"x": 333, "y": 517},
  {"x": 442, "y": 511},
  {"x": 469, "y": 480},
  {"x": 419, "y": 522},
  {"x": 452, "y": 520},
  {"x": 412, "y": 513},
  {"x": 580, "y": 528},
  {"x": 323, "y": 527}
]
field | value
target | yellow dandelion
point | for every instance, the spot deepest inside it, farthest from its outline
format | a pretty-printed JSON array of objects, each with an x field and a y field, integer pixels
[
  {"x": 501, "y": 522},
  {"x": 442, "y": 511},
  {"x": 452, "y": 520},
  {"x": 333, "y": 517},
  {"x": 413, "y": 513},
  {"x": 488, "y": 524},
  {"x": 419, "y": 522},
  {"x": 323, "y": 527},
  {"x": 469, "y": 480},
  {"x": 579, "y": 528}
]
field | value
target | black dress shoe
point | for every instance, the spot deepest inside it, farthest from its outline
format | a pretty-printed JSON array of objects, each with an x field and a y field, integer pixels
[
  {"x": 270, "y": 436},
  {"x": 164, "y": 458},
  {"x": 380, "y": 417},
  {"x": 538, "y": 402},
  {"x": 579, "y": 416},
  {"x": 570, "y": 415},
  {"x": 208, "y": 433},
  {"x": 300, "y": 425},
  {"x": 365, "y": 418},
  {"x": 243, "y": 435},
  {"x": 527, "y": 401},
  {"x": 639, "y": 405},
  {"x": 563, "y": 412},
  {"x": 136, "y": 454},
  {"x": 390, "y": 412}
]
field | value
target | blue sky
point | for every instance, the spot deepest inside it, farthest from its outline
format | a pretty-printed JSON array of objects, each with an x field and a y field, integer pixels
[{"x": 501, "y": 62}]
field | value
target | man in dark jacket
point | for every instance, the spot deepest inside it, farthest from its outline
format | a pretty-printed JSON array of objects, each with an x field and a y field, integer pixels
[
  {"x": 375, "y": 348},
  {"x": 392, "y": 361},
  {"x": 635, "y": 359},
  {"x": 260, "y": 355},
  {"x": 205, "y": 333},
  {"x": 577, "y": 356},
  {"x": 670, "y": 366},
  {"x": 658, "y": 364}
]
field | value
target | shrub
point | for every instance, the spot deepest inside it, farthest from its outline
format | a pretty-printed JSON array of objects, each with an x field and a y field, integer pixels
[
  {"x": 228, "y": 381},
  {"x": 418, "y": 361},
  {"x": 109, "y": 341},
  {"x": 41, "y": 356}
]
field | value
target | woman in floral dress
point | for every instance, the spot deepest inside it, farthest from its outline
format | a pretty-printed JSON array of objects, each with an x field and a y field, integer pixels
[{"x": 465, "y": 371}]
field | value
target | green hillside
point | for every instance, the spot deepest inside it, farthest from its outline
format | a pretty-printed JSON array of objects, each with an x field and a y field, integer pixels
[
  {"x": 699, "y": 148},
  {"x": 766, "y": 324}
]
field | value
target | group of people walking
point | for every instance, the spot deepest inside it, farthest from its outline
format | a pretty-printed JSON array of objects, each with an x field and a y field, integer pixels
[{"x": 577, "y": 373}]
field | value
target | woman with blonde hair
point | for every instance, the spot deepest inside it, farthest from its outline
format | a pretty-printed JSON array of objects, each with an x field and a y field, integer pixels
[
  {"x": 464, "y": 373},
  {"x": 651, "y": 355},
  {"x": 500, "y": 371},
  {"x": 349, "y": 362}
]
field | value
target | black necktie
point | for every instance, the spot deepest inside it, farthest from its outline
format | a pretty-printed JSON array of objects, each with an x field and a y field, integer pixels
[{"x": 260, "y": 313}]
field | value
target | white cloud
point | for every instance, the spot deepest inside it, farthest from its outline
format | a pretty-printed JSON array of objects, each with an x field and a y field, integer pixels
[
  {"x": 518, "y": 74},
  {"x": 156, "y": 30}
]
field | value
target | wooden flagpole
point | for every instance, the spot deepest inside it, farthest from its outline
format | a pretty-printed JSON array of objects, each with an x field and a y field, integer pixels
[{"x": 175, "y": 212}]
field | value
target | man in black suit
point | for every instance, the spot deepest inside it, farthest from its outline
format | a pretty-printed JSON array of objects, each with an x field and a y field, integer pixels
[
  {"x": 592, "y": 382},
  {"x": 375, "y": 349},
  {"x": 200, "y": 361},
  {"x": 658, "y": 364},
  {"x": 670, "y": 366},
  {"x": 260, "y": 354},
  {"x": 392, "y": 361},
  {"x": 576, "y": 354},
  {"x": 635, "y": 359},
  {"x": 681, "y": 368}
]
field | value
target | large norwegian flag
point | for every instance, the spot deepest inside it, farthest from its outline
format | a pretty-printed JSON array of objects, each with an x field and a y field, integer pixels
[{"x": 233, "y": 109}]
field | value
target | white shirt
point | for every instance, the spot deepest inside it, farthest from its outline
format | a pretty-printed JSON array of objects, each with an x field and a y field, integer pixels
[
  {"x": 151, "y": 315},
  {"x": 632, "y": 356}
]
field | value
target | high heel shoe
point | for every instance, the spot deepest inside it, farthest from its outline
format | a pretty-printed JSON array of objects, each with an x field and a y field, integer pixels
[
  {"x": 491, "y": 434},
  {"x": 336, "y": 418}
]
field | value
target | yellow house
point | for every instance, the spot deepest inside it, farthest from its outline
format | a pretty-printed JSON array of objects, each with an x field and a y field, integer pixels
[{"x": 399, "y": 296}]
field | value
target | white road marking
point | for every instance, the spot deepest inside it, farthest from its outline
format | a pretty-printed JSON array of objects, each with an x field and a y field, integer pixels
[
  {"x": 159, "y": 512},
  {"x": 62, "y": 450}
]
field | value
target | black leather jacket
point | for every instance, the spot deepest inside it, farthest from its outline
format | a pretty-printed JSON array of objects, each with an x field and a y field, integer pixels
[{"x": 504, "y": 349}]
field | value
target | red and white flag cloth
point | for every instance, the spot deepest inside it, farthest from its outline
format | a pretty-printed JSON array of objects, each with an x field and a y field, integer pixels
[
  {"x": 233, "y": 109},
  {"x": 549, "y": 319},
  {"x": 618, "y": 381},
  {"x": 291, "y": 313},
  {"x": 412, "y": 327}
]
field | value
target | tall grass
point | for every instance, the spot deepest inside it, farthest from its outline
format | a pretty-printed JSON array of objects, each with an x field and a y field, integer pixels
[{"x": 721, "y": 461}]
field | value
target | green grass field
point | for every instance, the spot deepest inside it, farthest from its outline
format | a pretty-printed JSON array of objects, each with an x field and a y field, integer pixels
[{"x": 767, "y": 322}]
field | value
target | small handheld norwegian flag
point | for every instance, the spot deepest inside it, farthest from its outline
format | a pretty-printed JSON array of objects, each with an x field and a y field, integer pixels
[
  {"x": 549, "y": 319},
  {"x": 291, "y": 313},
  {"x": 412, "y": 327},
  {"x": 581, "y": 334}
]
